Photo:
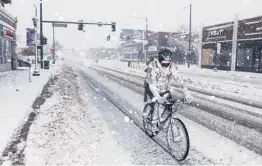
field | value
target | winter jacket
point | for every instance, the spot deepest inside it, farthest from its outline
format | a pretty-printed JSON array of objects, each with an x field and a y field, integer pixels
[{"x": 160, "y": 79}]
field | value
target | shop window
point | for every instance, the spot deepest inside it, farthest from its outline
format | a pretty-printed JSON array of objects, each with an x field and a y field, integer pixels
[
  {"x": 245, "y": 57},
  {"x": 208, "y": 53},
  {"x": 4, "y": 60},
  {"x": 226, "y": 54},
  {"x": 8, "y": 50},
  {"x": 1, "y": 52},
  {"x": 207, "y": 56}
]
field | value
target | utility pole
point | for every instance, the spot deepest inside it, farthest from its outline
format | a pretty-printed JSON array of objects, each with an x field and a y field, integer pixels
[
  {"x": 35, "y": 22},
  {"x": 146, "y": 39},
  {"x": 53, "y": 43},
  {"x": 41, "y": 34},
  {"x": 145, "y": 36},
  {"x": 189, "y": 37}
]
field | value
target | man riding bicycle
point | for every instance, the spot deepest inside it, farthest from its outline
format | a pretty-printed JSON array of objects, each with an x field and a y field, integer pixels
[{"x": 159, "y": 79}]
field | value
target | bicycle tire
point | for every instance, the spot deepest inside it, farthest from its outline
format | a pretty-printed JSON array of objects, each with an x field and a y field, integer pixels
[{"x": 187, "y": 141}]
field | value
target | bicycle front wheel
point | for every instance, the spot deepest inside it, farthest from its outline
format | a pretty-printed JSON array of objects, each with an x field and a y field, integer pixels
[{"x": 178, "y": 139}]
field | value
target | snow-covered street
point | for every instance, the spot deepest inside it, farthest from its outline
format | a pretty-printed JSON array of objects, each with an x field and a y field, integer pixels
[
  {"x": 237, "y": 84},
  {"x": 128, "y": 83},
  {"x": 92, "y": 118}
]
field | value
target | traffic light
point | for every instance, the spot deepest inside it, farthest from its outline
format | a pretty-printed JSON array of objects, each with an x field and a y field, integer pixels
[
  {"x": 80, "y": 25},
  {"x": 113, "y": 25},
  {"x": 108, "y": 38},
  {"x": 44, "y": 40}
]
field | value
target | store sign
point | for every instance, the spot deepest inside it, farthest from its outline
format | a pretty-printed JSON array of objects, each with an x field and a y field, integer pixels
[
  {"x": 215, "y": 33},
  {"x": 8, "y": 33},
  {"x": 220, "y": 32},
  {"x": 250, "y": 28}
]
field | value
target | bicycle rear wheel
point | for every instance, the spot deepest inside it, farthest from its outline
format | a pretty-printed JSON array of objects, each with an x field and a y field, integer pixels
[
  {"x": 178, "y": 139},
  {"x": 147, "y": 119}
]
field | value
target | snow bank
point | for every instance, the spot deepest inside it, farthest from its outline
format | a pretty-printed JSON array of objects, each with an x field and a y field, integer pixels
[
  {"x": 16, "y": 97},
  {"x": 70, "y": 131}
]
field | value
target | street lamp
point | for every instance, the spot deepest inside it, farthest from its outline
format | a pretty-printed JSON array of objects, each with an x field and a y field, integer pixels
[
  {"x": 35, "y": 22},
  {"x": 144, "y": 36},
  {"x": 189, "y": 35}
]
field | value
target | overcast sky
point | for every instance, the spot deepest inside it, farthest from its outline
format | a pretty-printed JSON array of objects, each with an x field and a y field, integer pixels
[{"x": 163, "y": 15}]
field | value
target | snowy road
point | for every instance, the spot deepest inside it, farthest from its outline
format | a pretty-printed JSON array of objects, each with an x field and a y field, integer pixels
[
  {"x": 207, "y": 146},
  {"x": 79, "y": 126},
  {"x": 236, "y": 84},
  {"x": 93, "y": 118}
]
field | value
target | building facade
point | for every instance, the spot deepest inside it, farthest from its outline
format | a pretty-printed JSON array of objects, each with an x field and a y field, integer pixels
[
  {"x": 160, "y": 40},
  {"x": 235, "y": 46},
  {"x": 7, "y": 39},
  {"x": 132, "y": 51}
]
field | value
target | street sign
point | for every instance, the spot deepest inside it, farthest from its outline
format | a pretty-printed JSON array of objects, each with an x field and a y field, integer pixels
[{"x": 59, "y": 25}]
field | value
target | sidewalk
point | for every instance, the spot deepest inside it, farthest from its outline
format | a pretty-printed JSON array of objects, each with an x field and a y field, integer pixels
[
  {"x": 17, "y": 95},
  {"x": 240, "y": 84}
]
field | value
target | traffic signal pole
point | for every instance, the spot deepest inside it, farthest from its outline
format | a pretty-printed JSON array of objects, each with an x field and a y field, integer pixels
[
  {"x": 41, "y": 34},
  {"x": 113, "y": 26},
  {"x": 189, "y": 41},
  {"x": 53, "y": 43}
]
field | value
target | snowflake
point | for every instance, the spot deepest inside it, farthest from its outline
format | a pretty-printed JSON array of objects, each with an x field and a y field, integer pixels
[{"x": 127, "y": 119}]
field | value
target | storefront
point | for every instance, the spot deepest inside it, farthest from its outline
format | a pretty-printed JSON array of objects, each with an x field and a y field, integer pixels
[
  {"x": 249, "y": 45},
  {"x": 218, "y": 43},
  {"x": 7, "y": 41},
  {"x": 132, "y": 51},
  {"x": 217, "y": 46}
]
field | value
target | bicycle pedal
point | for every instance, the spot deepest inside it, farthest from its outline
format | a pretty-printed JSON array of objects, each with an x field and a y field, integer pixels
[{"x": 155, "y": 133}]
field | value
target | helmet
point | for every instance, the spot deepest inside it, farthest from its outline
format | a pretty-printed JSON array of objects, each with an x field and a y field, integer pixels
[{"x": 164, "y": 57}]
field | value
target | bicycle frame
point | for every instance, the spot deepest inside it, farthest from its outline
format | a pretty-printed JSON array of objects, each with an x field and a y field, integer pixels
[{"x": 173, "y": 108}]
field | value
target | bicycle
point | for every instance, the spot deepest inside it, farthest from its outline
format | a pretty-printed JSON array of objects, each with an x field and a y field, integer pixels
[{"x": 167, "y": 123}]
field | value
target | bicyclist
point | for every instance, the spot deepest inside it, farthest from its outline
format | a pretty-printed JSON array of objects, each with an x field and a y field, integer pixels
[{"x": 159, "y": 78}]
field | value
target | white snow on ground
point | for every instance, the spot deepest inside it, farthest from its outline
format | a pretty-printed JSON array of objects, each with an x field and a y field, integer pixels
[
  {"x": 241, "y": 84},
  {"x": 211, "y": 144},
  {"x": 70, "y": 131},
  {"x": 17, "y": 95}
]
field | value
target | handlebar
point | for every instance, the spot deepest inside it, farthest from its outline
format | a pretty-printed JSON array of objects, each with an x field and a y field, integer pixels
[{"x": 168, "y": 99}]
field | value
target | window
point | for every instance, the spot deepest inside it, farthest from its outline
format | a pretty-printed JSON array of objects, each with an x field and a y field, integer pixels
[
  {"x": 208, "y": 54},
  {"x": 1, "y": 52},
  {"x": 4, "y": 60},
  {"x": 226, "y": 53},
  {"x": 245, "y": 57},
  {"x": 8, "y": 50}
]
